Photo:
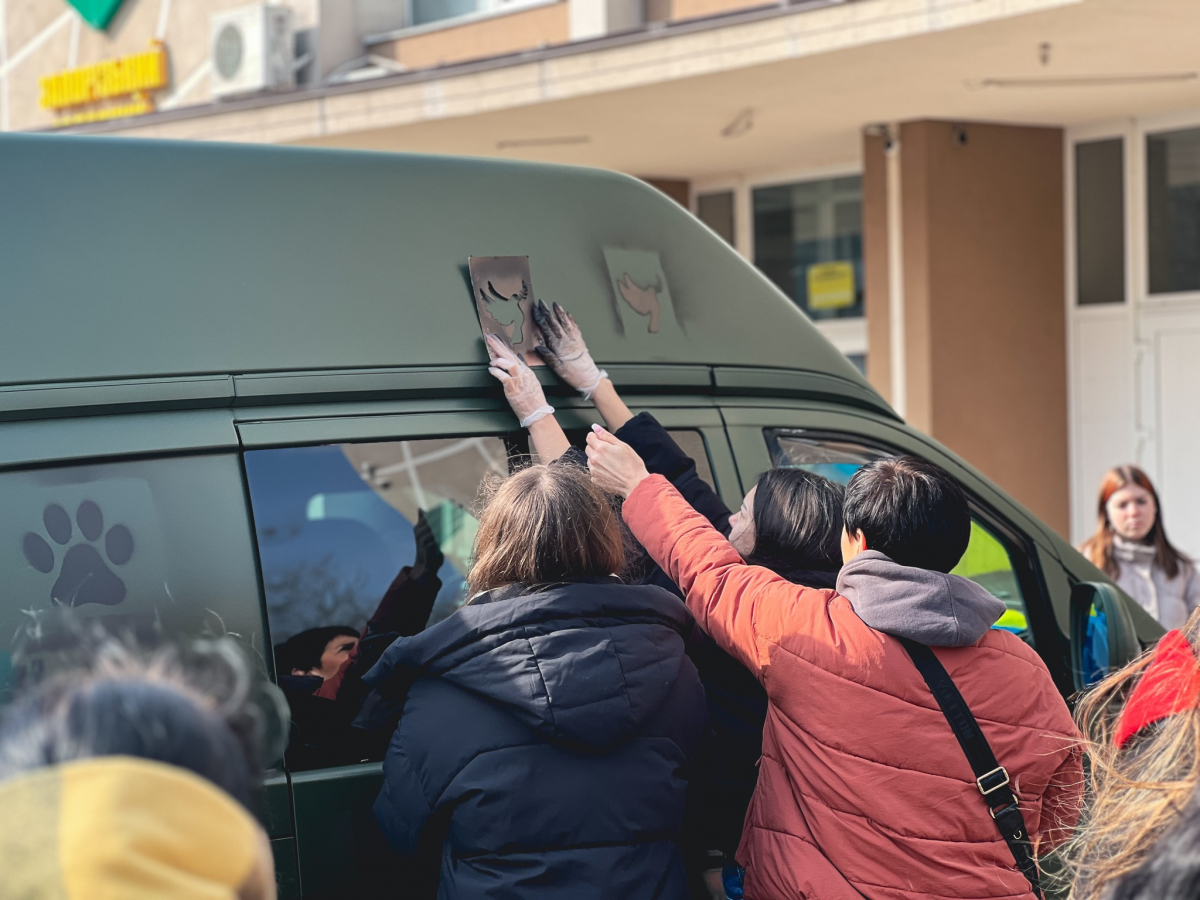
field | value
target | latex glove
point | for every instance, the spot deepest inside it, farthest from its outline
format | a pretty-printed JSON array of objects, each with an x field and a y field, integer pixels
[
  {"x": 564, "y": 349},
  {"x": 615, "y": 466},
  {"x": 429, "y": 555},
  {"x": 521, "y": 387}
]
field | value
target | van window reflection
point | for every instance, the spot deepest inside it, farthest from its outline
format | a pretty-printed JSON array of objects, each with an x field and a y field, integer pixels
[{"x": 359, "y": 544}]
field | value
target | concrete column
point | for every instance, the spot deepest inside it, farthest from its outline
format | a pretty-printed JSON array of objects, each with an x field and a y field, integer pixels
[{"x": 984, "y": 334}]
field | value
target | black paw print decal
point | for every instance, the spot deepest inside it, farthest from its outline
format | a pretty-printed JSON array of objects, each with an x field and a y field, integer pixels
[{"x": 84, "y": 576}]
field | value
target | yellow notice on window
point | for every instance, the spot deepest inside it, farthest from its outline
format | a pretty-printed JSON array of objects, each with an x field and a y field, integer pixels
[{"x": 831, "y": 285}]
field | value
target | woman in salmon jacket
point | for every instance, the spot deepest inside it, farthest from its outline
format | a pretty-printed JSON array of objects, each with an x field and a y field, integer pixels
[{"x": 863, "y": 789}]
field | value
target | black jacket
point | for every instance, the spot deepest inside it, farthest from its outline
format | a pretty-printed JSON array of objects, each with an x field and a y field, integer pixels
[{"x": 544, "y": 743}]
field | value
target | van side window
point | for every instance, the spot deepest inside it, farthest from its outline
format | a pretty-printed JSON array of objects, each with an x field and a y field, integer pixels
[
  {"x": 153, "y": 547},
  {"x": 691, "y": 442},
  {"x": 989, "y": 560},
  {"x": 344, "y": 532}
]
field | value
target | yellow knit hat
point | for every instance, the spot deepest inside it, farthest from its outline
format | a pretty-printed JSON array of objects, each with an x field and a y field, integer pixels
[{"x": 119, "y": 827}]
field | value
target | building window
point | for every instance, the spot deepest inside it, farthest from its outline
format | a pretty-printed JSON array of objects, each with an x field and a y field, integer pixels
[
  {"x": 1173, "y": 208},
  {"x": 424, "y": 12},
  {"x": 808, "y": 240},
  {"x": 1100, "y": 221},
  {"x": 716, "y": 211}
]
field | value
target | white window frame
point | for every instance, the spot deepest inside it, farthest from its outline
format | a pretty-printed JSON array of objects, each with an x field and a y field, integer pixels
[
  {"x": 1140, "y": 309},
  {"x": 849, "y": 335},
  {"x": 486, "y": 9}
]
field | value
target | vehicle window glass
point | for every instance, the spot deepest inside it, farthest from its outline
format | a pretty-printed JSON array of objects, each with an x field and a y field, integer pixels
[
  {"x": 692, "y": 443},
  {"x": 335, "y": 529},
  {"x": 988, "y": 560},
  {"x": 148, "y": 546}
]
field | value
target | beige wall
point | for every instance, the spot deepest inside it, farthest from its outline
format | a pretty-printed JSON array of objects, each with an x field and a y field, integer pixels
[
  {"x": 494, "y": 36},
  {"x": 677, "y": 10},
  {"x": 985, "y": 333}
]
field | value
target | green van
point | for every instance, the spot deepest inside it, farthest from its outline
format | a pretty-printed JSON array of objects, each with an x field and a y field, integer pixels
[{"x": 230, "y": 376}]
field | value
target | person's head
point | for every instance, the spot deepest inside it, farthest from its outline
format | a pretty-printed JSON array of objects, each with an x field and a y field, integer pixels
[
  {"x": 546, "y": 524},
  {"x": 1128, "y": 507},
  {"x": 790, "y": 521},
  {"x": 200, "y": 708},
  {"x": 1139, "y": 788},
  {"x": 910, "y": 510},
  {"x": 317, "y": 651}
]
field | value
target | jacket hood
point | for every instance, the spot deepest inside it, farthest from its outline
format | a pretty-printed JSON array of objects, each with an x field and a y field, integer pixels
[
  {"x": 926, "y": 606},
  {"x": 581, "y": 664},
  {"x": 123, "y": 827}
]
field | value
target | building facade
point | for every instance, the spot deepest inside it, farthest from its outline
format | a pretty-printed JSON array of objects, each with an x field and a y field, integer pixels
[{"x": 993, "y": 206}]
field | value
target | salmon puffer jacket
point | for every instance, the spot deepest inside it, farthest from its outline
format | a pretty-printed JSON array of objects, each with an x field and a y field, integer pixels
[{"x": 863, "y": 790}]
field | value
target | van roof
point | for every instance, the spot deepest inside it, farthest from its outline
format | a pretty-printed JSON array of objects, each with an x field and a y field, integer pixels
[{"x": 129, "y": 259}]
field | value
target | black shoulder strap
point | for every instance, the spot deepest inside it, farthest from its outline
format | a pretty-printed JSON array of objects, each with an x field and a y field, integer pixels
[{"x": 990, "y": 777}]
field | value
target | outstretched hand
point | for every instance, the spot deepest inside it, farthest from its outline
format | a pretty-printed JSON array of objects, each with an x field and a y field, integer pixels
[
  {"x": 521, "y": 387},
  {"x": 615, "y": 466},
  {"x": 429, "y": 556},
  {"x": 564, "y": 349}
]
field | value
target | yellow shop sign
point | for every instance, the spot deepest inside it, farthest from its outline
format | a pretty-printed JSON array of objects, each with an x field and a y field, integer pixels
[
  {"x": 831, "y": 285},
  {"x": 107, "y": 90}
]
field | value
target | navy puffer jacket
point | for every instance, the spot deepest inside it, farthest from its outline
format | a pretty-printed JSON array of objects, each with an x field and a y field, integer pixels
[{"x": 544, "y": 742}]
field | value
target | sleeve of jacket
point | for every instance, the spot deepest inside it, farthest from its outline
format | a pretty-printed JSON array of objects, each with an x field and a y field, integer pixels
[
  {"x": 1062, "y": 802},
  {"x": 663, "y": 456},
  {"x": 744, "y": 608}
]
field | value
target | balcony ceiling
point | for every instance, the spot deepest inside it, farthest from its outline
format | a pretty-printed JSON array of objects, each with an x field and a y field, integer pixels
[{"x": 808, "y": 111}]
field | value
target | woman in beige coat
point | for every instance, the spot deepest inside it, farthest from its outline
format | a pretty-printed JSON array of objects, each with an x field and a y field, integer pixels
[{"x": 1131, "y": 547}]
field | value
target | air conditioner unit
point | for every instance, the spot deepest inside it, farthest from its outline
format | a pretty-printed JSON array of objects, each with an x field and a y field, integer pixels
[{"x": 251, "y": 50}]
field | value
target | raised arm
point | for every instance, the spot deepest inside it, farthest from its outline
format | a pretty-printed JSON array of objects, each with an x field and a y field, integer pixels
[
  {"x": 566, "y": 352},
  {"x": 746, "y": 609},
  {"x": 524, "y": 394},
  {"x": 665, "y": 457}
]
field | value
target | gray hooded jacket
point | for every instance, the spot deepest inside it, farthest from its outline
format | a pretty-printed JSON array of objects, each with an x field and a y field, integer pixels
[{"x": 928, "y": 607}]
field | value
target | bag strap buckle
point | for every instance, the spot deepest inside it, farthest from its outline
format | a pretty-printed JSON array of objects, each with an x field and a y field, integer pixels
[
  {"x": 1002, "y": 810},
  {"x": 992, "y": 781}
]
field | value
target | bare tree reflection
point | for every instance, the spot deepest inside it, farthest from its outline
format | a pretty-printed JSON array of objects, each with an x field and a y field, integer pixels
[{"x": 316, "y": 593}]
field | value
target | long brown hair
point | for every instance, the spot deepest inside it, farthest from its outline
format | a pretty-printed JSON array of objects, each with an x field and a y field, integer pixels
[
  {"x": 546, "y": 524},
  {"x": 1099, "y": 547},
  {"x": 1138, "y": 791}
]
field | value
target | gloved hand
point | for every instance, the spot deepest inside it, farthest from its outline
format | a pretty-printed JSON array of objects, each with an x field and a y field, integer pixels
[
  {"x": 521, "y": 386},
  {"x": 564, "y": 349},
  {"x": 429, "y": 556}
]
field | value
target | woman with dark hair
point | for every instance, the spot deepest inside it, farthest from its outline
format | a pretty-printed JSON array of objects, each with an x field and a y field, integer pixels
[
  {"x": 790, "y": 521},
  {"x": 1131, "y": 547},
  {"x": 132, "y": 774},
  {"x": 547, "y": 726}
]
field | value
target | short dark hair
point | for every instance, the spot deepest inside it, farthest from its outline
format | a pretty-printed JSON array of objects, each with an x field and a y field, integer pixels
[
  {"x": 797, "y": 522},
  {"x": 910, "y": 510},
  {"x": 304, "y": 650}
]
